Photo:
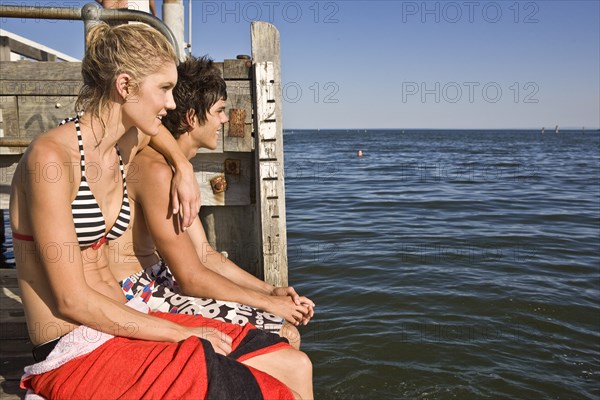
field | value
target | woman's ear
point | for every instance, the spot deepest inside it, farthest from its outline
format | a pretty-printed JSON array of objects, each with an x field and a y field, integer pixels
[{"x": 122, "y": 85}]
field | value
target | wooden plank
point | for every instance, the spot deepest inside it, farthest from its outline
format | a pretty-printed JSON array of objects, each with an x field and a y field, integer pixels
[
  {"x": 269, "y": 155},
  {"x": 233, "y": 230},
  {"x": 9, "y": 117},
  {"x": 29, "y": 51},
  {"x": 267, "y": 150},
  {"x": 19, "y": 351},
  {"x": 219, "y": 66},
  {"x": 12, "y": 327},
  {"x": 236, "y": 69},
  {"x": 207, "y": 166},
  {"x": 239, "y": 97},
  {"x": 270, "y": 188},
  {"x": 272, "y": 207},
  {"x": 8, "y": 164},
  {"x": 36, "y": 87},
  {"x": 268, "y": 130},
  {"x": 47, "y": 93},
  {"x": 269, "y": 170},
  {"x": 9, "y": 123},
  {"x": 8, "y": 276},
  {"x": 10, "y": 302},
  {"x": 265, "y": 46},
  {"x": 15, "y": 346},
  {"x": 10, "y": 390},
  {"x": 4, "y": 49},
  {"x": 41, "y": 71},
  {"x": 38, "y": 114},
  {"x": 12, "y": 315}
]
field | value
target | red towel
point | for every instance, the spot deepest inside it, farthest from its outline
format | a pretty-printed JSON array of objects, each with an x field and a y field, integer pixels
[{"x": 125, "y": 368}]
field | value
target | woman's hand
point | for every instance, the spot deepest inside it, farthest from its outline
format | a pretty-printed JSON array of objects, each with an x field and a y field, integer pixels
[
  {"x": 185, "y": 195},
  {"x": 221, "y": 342}
]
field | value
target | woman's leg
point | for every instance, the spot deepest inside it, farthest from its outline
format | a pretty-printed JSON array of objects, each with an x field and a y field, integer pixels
[{"x": 290, "y": 366}]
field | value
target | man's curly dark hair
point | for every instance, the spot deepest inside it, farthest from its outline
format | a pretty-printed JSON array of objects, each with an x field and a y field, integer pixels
[{"x": 199, "y": 86}]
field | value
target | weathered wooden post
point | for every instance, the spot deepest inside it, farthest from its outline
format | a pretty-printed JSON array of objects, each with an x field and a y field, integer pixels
[{"x": 268, "y": 130}]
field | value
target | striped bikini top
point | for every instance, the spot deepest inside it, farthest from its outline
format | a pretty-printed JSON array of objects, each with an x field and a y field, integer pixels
[{"x": 90, "y": 224}]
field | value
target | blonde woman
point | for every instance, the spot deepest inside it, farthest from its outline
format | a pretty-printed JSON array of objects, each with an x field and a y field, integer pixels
[{"x": 68, "y": 198}]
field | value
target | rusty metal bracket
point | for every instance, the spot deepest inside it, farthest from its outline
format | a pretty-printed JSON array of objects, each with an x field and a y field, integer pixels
[{"x": 218, "y": 184}]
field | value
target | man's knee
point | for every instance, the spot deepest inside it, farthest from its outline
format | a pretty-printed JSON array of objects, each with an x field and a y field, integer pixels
[{"x": 291, "y": 333}]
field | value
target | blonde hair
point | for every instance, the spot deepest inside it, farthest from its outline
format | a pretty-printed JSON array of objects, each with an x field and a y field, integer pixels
[{"x": 135, "y": 49}]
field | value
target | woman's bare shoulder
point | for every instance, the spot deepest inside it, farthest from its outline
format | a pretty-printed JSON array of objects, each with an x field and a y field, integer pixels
[
  {"x": 51, "y": 152},
  {"x": 56, "y": 141}
]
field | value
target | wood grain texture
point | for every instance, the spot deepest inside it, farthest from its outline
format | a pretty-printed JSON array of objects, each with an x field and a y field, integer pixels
[{"x": 268, "y": 129}]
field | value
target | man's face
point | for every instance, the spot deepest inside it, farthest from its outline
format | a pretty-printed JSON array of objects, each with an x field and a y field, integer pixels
[{"x": 206, "y": 135}]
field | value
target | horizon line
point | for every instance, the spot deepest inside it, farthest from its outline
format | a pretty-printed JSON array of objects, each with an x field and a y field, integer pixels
[{"x": 549, "y": 129}]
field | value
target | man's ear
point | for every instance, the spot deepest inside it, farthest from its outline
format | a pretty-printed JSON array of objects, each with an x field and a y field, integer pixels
[
  {"x": 122, "y": 85},
  {"x": 190, "y": 118}
]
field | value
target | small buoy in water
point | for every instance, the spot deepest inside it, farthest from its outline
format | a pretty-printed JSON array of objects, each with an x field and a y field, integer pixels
[{"x": 359, "y": 153}]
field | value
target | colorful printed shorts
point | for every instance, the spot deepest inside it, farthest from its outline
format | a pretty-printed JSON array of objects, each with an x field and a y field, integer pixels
[{"x": 156, "y": 285}]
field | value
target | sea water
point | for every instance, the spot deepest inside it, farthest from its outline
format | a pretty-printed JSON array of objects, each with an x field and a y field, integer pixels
[{"x": 447, "y": 264}]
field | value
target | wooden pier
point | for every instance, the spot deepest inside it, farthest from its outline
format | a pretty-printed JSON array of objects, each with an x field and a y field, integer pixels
[
  {"x": 246, "y": 221},
  {"x": 15, "y": 347}
]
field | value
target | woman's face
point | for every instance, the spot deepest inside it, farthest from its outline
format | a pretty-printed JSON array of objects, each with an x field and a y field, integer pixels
[{"x": 146, "y": 108}]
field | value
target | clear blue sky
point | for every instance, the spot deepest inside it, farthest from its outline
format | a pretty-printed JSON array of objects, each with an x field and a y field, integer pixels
[{"x": 404, "y": 64}]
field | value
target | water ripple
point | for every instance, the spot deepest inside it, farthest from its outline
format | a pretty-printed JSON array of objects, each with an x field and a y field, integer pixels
[{"x": 457, "y": 264}]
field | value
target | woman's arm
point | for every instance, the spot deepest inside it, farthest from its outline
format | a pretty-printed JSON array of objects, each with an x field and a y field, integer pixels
[
  {"x": 58, "y": 253},
  {"x": 185, "y": 191}
]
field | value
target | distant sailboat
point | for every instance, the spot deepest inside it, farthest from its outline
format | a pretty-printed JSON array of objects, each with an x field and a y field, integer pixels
[
  {"x": 543, "y": 129},
  {"x": 556, "y": 129}
]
